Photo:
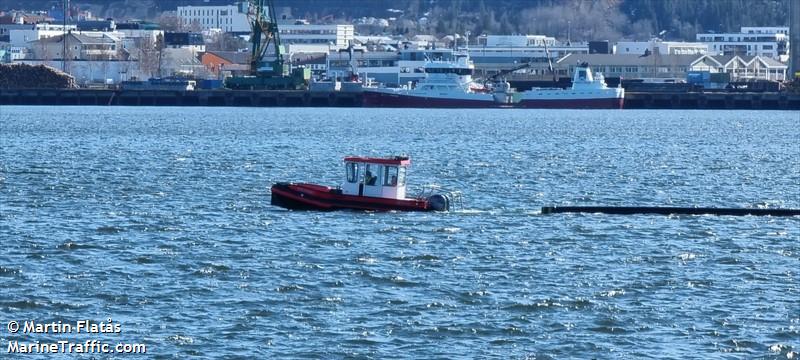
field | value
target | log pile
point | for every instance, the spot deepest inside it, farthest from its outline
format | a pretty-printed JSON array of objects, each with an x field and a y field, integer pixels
[{"x": 24, "y": 76}]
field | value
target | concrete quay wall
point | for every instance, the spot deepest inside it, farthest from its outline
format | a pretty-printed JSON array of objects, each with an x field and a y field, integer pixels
[
  {"x": 177, "y": 98},
  {"x": 300, "y": 98}
]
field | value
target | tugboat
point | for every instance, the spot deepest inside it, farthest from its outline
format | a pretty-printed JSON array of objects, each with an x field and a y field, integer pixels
[{"x": 377, "y": 184}]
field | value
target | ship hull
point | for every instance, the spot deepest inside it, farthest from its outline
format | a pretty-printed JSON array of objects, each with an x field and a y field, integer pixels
[
  {"x": 323, "y": 198},
  {"x": 399, "y": 100},
  {"x": 599, "y": 103}
]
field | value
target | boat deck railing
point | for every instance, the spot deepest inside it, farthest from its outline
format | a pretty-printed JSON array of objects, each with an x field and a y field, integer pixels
[{"x": 455, "y": 198}]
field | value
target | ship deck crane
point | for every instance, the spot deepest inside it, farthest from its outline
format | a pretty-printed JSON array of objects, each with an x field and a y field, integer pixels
[{"x": 502, "y": 73}]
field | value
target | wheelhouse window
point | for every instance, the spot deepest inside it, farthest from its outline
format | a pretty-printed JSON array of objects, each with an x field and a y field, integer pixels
[
  {"x": 371, "y": 175},
  {"x": 352, "y": 172},
  {"x": 390, "y": 176}
]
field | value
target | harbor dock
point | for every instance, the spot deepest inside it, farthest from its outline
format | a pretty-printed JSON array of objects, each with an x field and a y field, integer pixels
[
  {"x": 244, "y": 98},
  {"x": 304, "y": 98}
]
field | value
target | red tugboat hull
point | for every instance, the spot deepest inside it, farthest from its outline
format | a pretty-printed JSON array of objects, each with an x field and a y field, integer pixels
[{"x": 317, "y": 197}]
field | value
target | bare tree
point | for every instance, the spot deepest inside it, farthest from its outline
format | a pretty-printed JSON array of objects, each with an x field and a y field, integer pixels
[
  {"x": 575, "y": 19},
  {"x": 44, "y": 53},
  {"x": 160, "y": 51},
  {"x": 194, "y": 26},
  {"x": 169, "y": 22},
  {"x": 223, "y": 41},
  {"x": 70, "y": 54},
  {"x": 104, "y": 69},
  {"x": 148, "y": 55}
]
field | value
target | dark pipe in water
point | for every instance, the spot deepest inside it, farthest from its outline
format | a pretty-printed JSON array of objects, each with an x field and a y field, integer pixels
[{"x": 629, "y": 210}]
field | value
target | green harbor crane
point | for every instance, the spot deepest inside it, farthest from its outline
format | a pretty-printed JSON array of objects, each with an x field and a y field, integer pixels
[{"x": 275, "y": 74}]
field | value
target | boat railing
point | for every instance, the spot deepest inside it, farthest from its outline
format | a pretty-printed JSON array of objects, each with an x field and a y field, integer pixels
[
  {"x": 427, "y": 190},
  {"x": 455, "y": 198}
]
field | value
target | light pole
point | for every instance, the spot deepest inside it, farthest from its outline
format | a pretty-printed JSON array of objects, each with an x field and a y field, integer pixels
[{"x": 65, "y": 4}]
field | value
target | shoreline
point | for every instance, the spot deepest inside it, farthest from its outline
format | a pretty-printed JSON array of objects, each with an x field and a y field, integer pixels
[{"x": 303, "y": 98}]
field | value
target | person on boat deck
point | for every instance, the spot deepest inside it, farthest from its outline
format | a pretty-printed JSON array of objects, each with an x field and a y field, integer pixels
[{"x": 370, "y": 179}]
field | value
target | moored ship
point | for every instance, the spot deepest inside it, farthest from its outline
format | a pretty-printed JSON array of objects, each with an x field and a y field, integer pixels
[
  {"x": 447, "y": 84},
  {"x": 588, "y": 91}
]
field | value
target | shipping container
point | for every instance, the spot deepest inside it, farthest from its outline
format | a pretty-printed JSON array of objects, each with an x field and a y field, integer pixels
[
  {"x": 698, "y": 77},
  {"x": 720, "y": 78}
]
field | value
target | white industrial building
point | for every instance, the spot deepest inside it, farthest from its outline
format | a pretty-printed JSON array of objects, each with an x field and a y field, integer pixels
[
  {"x": 503, "y": 52},
  {"x": 229, "y": 18},
  {"x": 765, "y": 30},
  {"x": 304, "y": 38},
  {"x": 299, "y": 36},
  {"x": 319, "y": 37},
  {"x": 662, "y": 47},
  {"x": 771, "y": 42},
  {"x": 21, "y": 35},
  {"x": 657, "y": 67},
  {"x": 86, "y": 45}
]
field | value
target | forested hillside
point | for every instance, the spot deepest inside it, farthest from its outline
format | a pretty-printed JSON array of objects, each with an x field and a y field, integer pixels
[{"x": 576, "y": 19}]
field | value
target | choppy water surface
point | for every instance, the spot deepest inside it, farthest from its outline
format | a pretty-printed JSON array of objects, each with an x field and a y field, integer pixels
[{"x": 160, "y": 219}]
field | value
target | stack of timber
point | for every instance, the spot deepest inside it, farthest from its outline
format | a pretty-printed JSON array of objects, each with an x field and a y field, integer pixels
[{"x": 23, "y": 76}]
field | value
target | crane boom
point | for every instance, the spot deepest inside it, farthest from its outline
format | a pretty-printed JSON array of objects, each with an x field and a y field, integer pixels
[
  {"x": 273, "y": 20},
  {"x": 508, "y": 71},
  {"x": 264, "y": 32},
  {"x": 278, "y": 76}
]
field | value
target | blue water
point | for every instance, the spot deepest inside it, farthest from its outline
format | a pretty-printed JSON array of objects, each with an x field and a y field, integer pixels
[{"x": 160, "y": 219}]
